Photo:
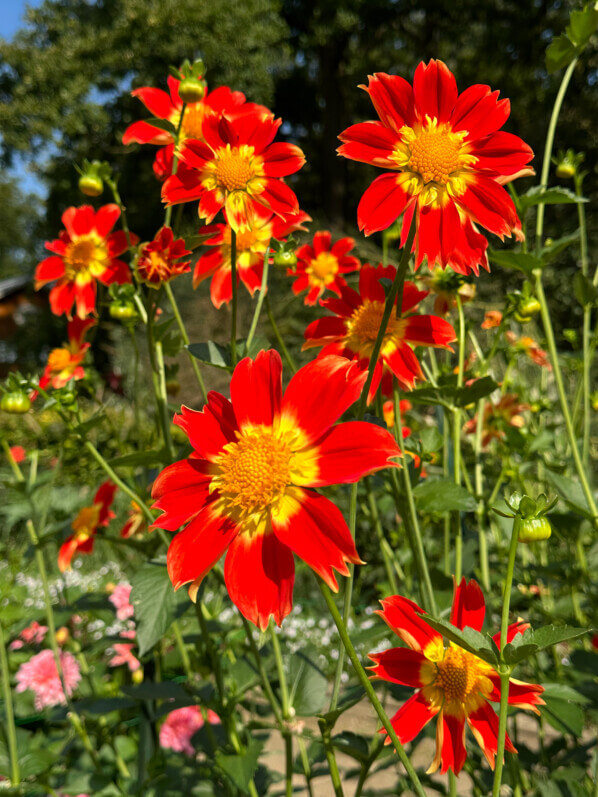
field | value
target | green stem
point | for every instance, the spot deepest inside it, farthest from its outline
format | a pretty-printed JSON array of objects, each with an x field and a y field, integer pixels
[
  {"x": 369, "y": 689},
  {"x": 452, "y": 783},
  {"x": 260, "y": 299},
  {"x": 387, "y": 553},
  {"x": 186, "y": 340},
  {"x": 182, "y": 649},
  {"x": 395, "y": 296},
  {"x": 162, "y": 397},
  {"x": 267, "y": 686},
  {"x": 504, "y": 670},
  {"x": 548, "y": 147},
  {"x": 11, "y": 732},
  {"x": 306, "y": 765},
  {"x": 282, "y": 679},
  {"x": 175, "y": 161},
  {"x": 279, "y": 339},
  {"x": 233, "y": 276},
  {"x": 457, "y": 444},
  {"x": 335, "y": 776},
  {"x": 479, "y": 495},
  {"x": 419, "y": 553},
  {"x": 586, "y": 329},
  {"x": 558, "y": 377}
]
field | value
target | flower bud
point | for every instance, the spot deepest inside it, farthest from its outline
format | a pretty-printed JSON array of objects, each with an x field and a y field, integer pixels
[
  {"x": 173, "y": 386},
  {"x": 123, "y": 310},
  {"x": 566, "y": 171},
  {"x": 526, "y": 309},
  {"x": 62, "y": 635},
  {"x": 192, "y": 90},
  {"x": 137, "y": 676},
  {"x": 532, "y": 529},
  {"x": 15, "y": 403},
  {"x": 91, "y": 185},
  {"x": 284, "y": 259}
]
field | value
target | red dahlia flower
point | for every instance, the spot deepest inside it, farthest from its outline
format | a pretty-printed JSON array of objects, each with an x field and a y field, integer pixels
[
  {"x": 86, "y": 524},
  {"x": 320, "y": 267},
  {"x": 497, "y": 417},
  {"x": 236, "y": 167},
  {"x": 251, "y": 248},
  {"x": 449, "y": 160},
  {"x": 168, "y": 105},
  {"x": 452, "y": 683},
  {"x": 245, "y": 486},
  {"x": 160, "y": 260},
  {"x": 65, "y": 364},
  {"x": 84, "y": 252},
  {"x": 352, "y": 333}
]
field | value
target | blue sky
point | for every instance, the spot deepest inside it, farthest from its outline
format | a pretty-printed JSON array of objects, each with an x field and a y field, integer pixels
[{"x": 11, "y": 15}]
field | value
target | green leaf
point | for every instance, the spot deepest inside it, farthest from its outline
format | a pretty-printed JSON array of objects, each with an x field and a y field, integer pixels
[
  {"x": 443, "y": 495},
  {"x": 478, "y": 389},
  {"x": 307, "y": 685},
  {"x": 553, "y": 248},
  {"x": 431, "y": 439},
  {"x": 582, "y": 24},
  {"x": 352, "y": 745},
  {"x": 241, "y": 768},
  {"x": 559, "y": 53},
  {"x": 350, "y": 698},
  {"x": 571, "y": 493},
  {"x": 34, "y": 762},
  {"x": 164, "y": 690},
  {"x": 219, "y": 355},
  {"x": 156, "y": 603},
  {"x": 520, "y": 261},
  {"x": 161, "y": 124},
  {"x": 530, "y": 642},
  {"x": 475, "y": 642},
  {"x": 563, "y": 716},
  {"x": 542, "y": 195},
  {"x": 584, "y": 290},
  {"x": 149, "y": 458}
]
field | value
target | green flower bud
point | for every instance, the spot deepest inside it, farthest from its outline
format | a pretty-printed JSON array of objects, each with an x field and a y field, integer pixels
[
  {"x": 532, "y": 529},
  {"x": 284, "y": 259},
  {"x": 91, "y": 185},
  {"x": 122, "y": 310},
  {"x": 15, "y": 403},
  {"x": 191, "y": 90}
]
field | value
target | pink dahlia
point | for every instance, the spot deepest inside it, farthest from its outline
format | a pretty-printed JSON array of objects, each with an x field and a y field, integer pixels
[
  {"x": 180, "y": 725},
  {"x": 40, "y": 674},
  {"x": 120, "y": 599}
]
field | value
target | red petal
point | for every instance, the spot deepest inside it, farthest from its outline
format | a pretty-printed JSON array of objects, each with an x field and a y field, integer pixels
[
  {"x": 370, "y": 286},
  {"x": 515, "y": 628},
  {"x": 210, "y": 429},
  {"x": 66, "y": 553},
  {"x": 369, "y": 142},
  {"x": 118, "y": 243},
  {"x": 392, "y": 97},
  {"x": 479, "y": 112},
  {"x": 182, "y": 504},
  {"x": 325, "y": 330},
  {"x": 221, "y": 287},
  {"x": 157, "y": 102},
  {"x": 429, "y": 330},
  {"x": 490, "y": 205},
  {"x": 382, "y": 203},
  {"x": 209, "y": 205},
  {"x": 183, "y": 187},
  {"x": 342, "y": 247},
  {"x": 282, "y": 159},
  {"x": 277, "y": 196},
  {"x": 404, "y": 364},
  {"x": 259, "y": 573},
  {"x": 352, "y": 450},
  {"x": 256, "y": 389},
  {"x": 483, "y": 723},
  {"x": 321, "y": 242},
  {"x": 412, "y": 717},
  {"x": 502, "y": 152},
  {"x": 319, "y": 393},
  {"x": 521, "y": 694},
  {"x": 469, "y": 607},
  {"x": 451, "y": 735},
  {"x": 404, "y": 617},
  {"x": 411, "y": 297},
  {"x": 315, "y": 529},
  {"x": 51, "y": 268},
  {"x": 179, "y": 475},
  {"x": 196, "y": 549},
  {"x": 145, "y": 133},
  {"x": 85, "y": 298},
  {"x": 434, "y": 90},
  {"x": 78, "y": 221},
  {"x": 62, "y": 297},
  {"x": 399, "y": 665},
  {"x": 106, "y": 219}
]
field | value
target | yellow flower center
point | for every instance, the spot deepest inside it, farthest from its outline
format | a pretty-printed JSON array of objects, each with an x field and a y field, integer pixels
[
  {"x": 458, "y": 679},
  {"x": 234, "y": 169},
  {"x": 364, "y": 325},
  {"x": 251, "y": 246},
  {"x": 324, "y": 268},
  {"x": 86, "y": 258},
  {"x": 59, "y": 360},
  {"x": 433, "y": 161},
  {"x": 253, "y": 473},
  {"x": 86, "y": 522},
  {"x": 435, "y": 156}
]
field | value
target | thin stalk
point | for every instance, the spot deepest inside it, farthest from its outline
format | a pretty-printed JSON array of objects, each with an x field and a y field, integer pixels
[
  {"x": 395, "y": 296},
  {"x": 282, "y": 679},
  {"x": 182, "y": 650},
  {"x": 504, "y": 671},
  {"x": 446, "y": 440},
  {"x": 419, "y": 553},
  {"x": 233, "y": 276},
  {"x": 335, "y": 776},
  {"x": 11, "y": 731},
  {"x": 369, "y": 689},
  {"x": 279, "y": 339},
  {"x": 175, "y": 161},
  {"x": 586, "y": 329},
  {"x": 387, "y": 553},
  {"x": 306, "y": 765},
  {"x": 558, "y": 378},
  {"x": 452, "y": 779},
  {"x": 479, "y": 495},
  {"x": 186, "y": 340},
  {"x": 260, "y": 299},
  {"x": 162, "y": 397},
  {"x": 548, "y": 146},
  {"x": 457, "y": 443}
]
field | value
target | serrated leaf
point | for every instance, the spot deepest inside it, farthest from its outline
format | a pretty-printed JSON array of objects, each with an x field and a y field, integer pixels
[
  {"x": 571, "y": 493},
  {"x": 241, "y": 768},
  {"x": 559, "y": 53},
  {"x": 161, "y": 124},
  {"x": 520, "y": 261},
  {"x": 550, "y": 635},
  {"x": 582, "y": 24},
  {"x": 469, "y": 394},
  {"x": 443, "y": 495},
  {"x": 352, "y": 744},
  {"x": 564, "y": 716},
  {"x": 553, "y": 248},
  {"x": 468, "y": 638},
  {"x": 155, "y": 602},
  {"x": 307, "y": 685},
  {"x": 542, "y": 195},
  {"x": 584, "y": 290}
]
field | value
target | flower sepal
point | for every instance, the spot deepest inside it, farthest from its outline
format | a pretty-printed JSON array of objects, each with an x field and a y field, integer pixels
[{"x": 529, "y": 515}]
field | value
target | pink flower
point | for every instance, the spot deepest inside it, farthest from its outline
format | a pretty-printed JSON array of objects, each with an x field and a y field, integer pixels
[
  {"x": 180, "y": 725},
  {"x": 130, "y": 633},
  {"x": 123, "y": 655},
  {"x": 120, "y": 600},
  {"x": 32, "y": 635},
  {"x": 41, "y": 676}
]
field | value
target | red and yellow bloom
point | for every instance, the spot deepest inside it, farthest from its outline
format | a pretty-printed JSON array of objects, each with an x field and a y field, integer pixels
[
  {"x": 448, "y": 160},
  {"x": 497, "y": 417},
  {"x": 245, "y": 488},
  {"x": 453, "y": 684},
  {"x": 160, "y": 261},
  {"x": 251, "y": 249},
  {"x": 85, "y": 252},
  {"x": 353, "y": 331},
  {"x": 320, "y": 266},
  {"x": 168, "y": 105},
  {"x": 238, "y": 168},
  {"x": 86, "y": 524},
  {"x": 531, "y": 348},
  {"x": 65, "y": 363}
]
